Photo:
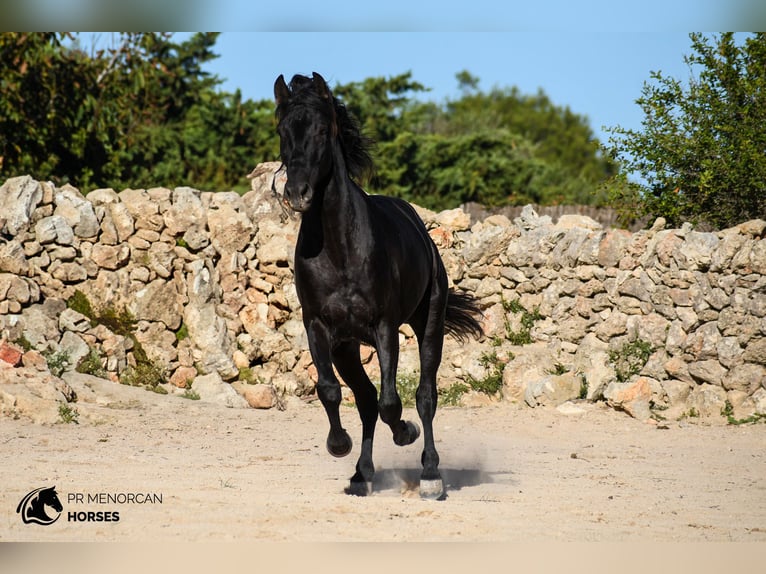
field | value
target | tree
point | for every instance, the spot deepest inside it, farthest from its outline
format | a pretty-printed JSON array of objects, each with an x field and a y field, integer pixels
[
  {"x": 701, "y": 154},
  {"x": 141, "y": 112}
]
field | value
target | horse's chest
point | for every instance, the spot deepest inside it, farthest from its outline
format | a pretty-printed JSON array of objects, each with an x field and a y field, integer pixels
[{"x": 346, "y": 308}]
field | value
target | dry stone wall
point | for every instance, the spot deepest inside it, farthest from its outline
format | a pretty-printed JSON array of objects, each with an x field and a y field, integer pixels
[{"x": 207, "y": 279}]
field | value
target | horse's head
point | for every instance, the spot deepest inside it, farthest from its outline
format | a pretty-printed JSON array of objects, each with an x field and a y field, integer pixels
[
  {"x": 49, "y": 497},
  {"x": 307, "y": 129}
]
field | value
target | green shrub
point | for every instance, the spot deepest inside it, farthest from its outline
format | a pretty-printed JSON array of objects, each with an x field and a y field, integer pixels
[{"x": 630, "y": 359}]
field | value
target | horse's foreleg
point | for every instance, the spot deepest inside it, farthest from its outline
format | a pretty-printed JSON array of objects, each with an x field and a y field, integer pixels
[
  {"x": 328, "y": 389},
  {"x": 389, "y": 403},
  {"x": 346, "y": 360}
]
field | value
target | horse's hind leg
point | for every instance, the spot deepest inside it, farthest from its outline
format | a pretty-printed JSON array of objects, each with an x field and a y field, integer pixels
[
  {"x": 346, "y": 359},
  {"x": 430, "y": 333}
]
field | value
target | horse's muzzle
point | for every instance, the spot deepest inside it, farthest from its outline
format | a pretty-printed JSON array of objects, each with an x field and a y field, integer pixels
[{"x": 299, "y": 196}]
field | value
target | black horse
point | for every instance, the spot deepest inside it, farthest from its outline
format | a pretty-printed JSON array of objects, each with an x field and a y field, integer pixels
[{"x": 364, "y": 265}]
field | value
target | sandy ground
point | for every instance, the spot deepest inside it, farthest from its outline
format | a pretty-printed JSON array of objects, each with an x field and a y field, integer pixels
[{"x": 512, "y": 475}]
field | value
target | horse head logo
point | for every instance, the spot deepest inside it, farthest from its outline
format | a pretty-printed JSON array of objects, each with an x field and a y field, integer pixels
[{"x": 32, "y": 506}]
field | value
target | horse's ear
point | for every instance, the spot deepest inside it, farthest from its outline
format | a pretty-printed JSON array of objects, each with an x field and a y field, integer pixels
[
  {"x": 321, "y": 86},
  {"x": 281, "y": 91}
]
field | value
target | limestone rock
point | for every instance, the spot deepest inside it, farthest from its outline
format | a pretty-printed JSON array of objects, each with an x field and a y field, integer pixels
[
  {"x": 211, "y": 388},
  {"x": 19, "y": 196}
]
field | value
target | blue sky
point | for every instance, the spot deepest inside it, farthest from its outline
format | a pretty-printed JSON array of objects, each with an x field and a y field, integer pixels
[{"x": 596, "y": 74}]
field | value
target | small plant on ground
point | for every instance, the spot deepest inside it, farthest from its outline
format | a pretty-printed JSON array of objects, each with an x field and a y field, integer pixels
[
  {"x": 68, "y": 414},
  {"x": 407, "y": 386},
  {"x": 58, "y": 361},
  {"x": 728, "y": 412},
  {"x": 630, "y": 359},
  {"x": 144, "y": 374},
  {"x": 451, "y": 396},
  {"x": 191, "y": 395},
  {"x": 91, "y": 364},
  {"x": 557, "y": 369},
  {"x": 246, "y": 375}
]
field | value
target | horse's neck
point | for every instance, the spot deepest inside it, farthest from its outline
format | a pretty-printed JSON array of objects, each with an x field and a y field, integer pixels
[
  {"x": 36, "y": 505},
  {"x": 342, "y": 218}
]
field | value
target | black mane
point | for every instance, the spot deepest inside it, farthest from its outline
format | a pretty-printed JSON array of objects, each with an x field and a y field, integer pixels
[{"x": 356, "y": 146}]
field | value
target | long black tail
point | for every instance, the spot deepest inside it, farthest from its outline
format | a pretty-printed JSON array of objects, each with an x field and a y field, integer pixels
[{"x": 462, "y": 316}]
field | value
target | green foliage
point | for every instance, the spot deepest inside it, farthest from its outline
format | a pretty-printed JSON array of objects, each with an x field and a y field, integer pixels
[
  {"x": 121, "y": 322},
  {"x": 528, "y": 318},
  {"x": 143, "y": 112},
  {"x": 140, "y": 112},
  {"x": 68, "y": 414},
  {"x": 451, "y": 395},
  {"x": 583, "y": 394},
  {"x": 182, "y": 333},
  {"x": 630, "y": 359},
  {"x": 701, "y": 148},
  {"x": 246, "y": 375},
  {"x": 58, "y": 361},
  {"x": 728, "y": 412},
  {"x": 24, "y": 343},
  {"x": 557, "y": 369},
  {"x": 492, "y": 383},
  {"x": 143, "y": 374},
  {"x": 79, "y": 302},
  {"x": 407, "y": 387},
  {"x": 191, "y": 395},
  {"x": 91, "y": 364}
]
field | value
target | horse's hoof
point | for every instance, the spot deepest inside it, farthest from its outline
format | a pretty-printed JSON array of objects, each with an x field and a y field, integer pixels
[
  {"x": 340, "y": 448},
  {"x": 359, "y": 488},
  {"x": 409, "y": 435},
  {"x": 432, "y": 489}
]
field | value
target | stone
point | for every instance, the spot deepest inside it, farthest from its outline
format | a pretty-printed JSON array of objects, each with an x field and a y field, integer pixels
[
  {"x": 19, "y": 197},
  {"x": 74, "y": 346},
  {"x": 455, "y": 219},
  {"x": 24, "y": 392},
  {"x": 110, "y": 256},
  {"x": 158, "y": 301},
  {"x": 633, "y": 397},
  {"x": 591, "y": 360},
  {"x": 54, "y": 229},
  {"x": 207, "y": 329},
  {"x": 709, "y": 371},
  {"x": 212, "y": 389},
  {"x": 747, "y": 377},
  {"x": 552, "y": 390},
  {"x": 10, "y": 353},
  {"x": 13, "y": 259},
  {"x": 702, "y": 344},
  {"x": 77, "y": 211},
  {"x": 186, "y": 211},
  {"x": 258, "y": 396},
  {"x": 707, "y": 401},
  {"x": 755, "y": 352},
  {"x": 613, "y": 247},
  {"x": 229, "y": 226},
  {"x": 182, "y": 377},
  {"x": 71, "y": 320}
]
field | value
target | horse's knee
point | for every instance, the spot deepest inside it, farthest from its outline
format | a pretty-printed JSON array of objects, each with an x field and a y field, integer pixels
[
  {"x": 329, "y": 392},
  {"x": 390, "y": 410}
]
